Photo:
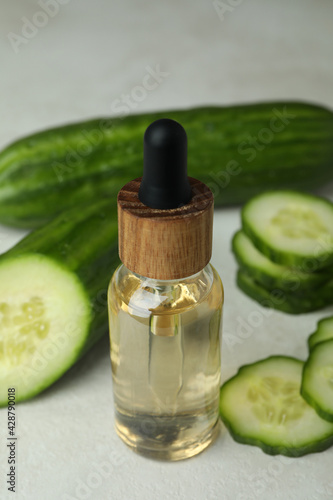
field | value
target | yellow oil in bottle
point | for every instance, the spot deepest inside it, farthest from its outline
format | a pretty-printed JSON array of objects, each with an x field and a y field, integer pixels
[{"x": 165, "y": 356}]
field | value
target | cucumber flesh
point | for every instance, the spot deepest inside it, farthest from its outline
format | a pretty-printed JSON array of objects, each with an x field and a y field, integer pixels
[
  {"x": 317, "y": 382},
  {"x": 280, "y": 300},
  {"x": 262, "y": 406},
  {"x": 324, "y": 332},
  {"x": 291, "y": 228},
  {"x": 270, "y": 274},
  {"x": 62, "y": 271},
  {"x": 45, "y": 315}
]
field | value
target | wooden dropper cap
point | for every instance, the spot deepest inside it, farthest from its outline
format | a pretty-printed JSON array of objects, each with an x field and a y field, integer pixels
[{"x": 165, "y": 218}]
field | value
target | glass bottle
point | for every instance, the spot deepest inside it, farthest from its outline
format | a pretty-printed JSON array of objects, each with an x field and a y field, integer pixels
[
  {"x": 165, "y": 355},
  {"x": 165, "y": 306}
]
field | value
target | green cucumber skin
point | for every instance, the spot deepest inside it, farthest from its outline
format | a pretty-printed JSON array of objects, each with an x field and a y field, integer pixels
[
  {"x": 288, "y": 452},
  {"x": 297, "y": 284},
  {"x": 50, "y": 171},
  {"x": 312, "y": 340},
  {"x": 273, "y": 450},
  {"x": 288, "y": 303},
  {"x": 84, "y": 241},
  {"x": 322, "y": 413},
  {"x": 308, "y": 398},
  {"x": 284, "y": 257}
]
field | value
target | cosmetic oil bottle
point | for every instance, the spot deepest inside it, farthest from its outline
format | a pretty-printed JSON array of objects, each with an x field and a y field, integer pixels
[{"x": 165, "y": 305}]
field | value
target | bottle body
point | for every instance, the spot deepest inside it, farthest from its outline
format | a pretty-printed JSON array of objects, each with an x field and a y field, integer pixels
[{"x": 165, "y": 357}]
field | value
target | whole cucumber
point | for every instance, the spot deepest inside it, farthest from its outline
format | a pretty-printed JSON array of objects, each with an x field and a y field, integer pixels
[{"x": 238, "y": 151}]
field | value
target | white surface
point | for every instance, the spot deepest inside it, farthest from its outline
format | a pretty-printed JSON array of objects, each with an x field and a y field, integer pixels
[{"x": 75, "y": 67}]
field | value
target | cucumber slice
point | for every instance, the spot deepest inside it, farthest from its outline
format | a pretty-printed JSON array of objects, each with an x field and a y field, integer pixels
[
  {"x": 45, "y": 316},
  {"x": 270, "y": 274},
  {"x": 317, "y": 381},
  {"x": 324, "y": 332},
  {"x": 262, "y": 406},
  {"x": 291, "y": 228},
  {"x": 280, "y": 300}
]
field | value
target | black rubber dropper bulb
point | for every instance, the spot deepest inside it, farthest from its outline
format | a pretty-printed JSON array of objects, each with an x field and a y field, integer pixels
[{"x": 165, "y": 183}]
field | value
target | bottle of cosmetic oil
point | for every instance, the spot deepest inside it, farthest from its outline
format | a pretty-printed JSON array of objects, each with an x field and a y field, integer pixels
[{"x": 165, "y": 305}]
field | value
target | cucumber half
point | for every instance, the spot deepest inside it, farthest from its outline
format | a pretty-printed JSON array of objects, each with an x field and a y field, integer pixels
[
  {"x": 262, "y": 406},
  {"x": 324, "y": 332},
  {"x": 291, "y": 228},
  {"x": 270, "y": 274},
  {"x": 317, "y": 382},
  {"x": 45, "y": 316},
  {"x": 282, "y": 301}
]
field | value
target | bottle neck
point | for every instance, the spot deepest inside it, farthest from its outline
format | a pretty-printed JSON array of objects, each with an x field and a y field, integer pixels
[
  {"x": 206, "y": 271},
  {"x": 146, "y": 295}
]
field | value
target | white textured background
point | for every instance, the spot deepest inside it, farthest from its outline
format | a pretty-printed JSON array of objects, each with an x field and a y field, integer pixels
[{"x": 76, "y": 66}]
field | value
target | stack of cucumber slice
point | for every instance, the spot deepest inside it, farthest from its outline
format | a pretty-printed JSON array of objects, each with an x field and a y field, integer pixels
[
  {"x": 317, "y": 381},
  {"x": 285, "y": 251},
  {"x": 281, "y": 404}
]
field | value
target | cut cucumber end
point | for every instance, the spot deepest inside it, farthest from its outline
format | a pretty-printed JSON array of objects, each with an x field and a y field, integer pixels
[
  {"x": 317, "y": 381},
  {"x": 262, "y": 406},
  {"x": 45, "y": 316},
  {"x": 291, "y": 228}
]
